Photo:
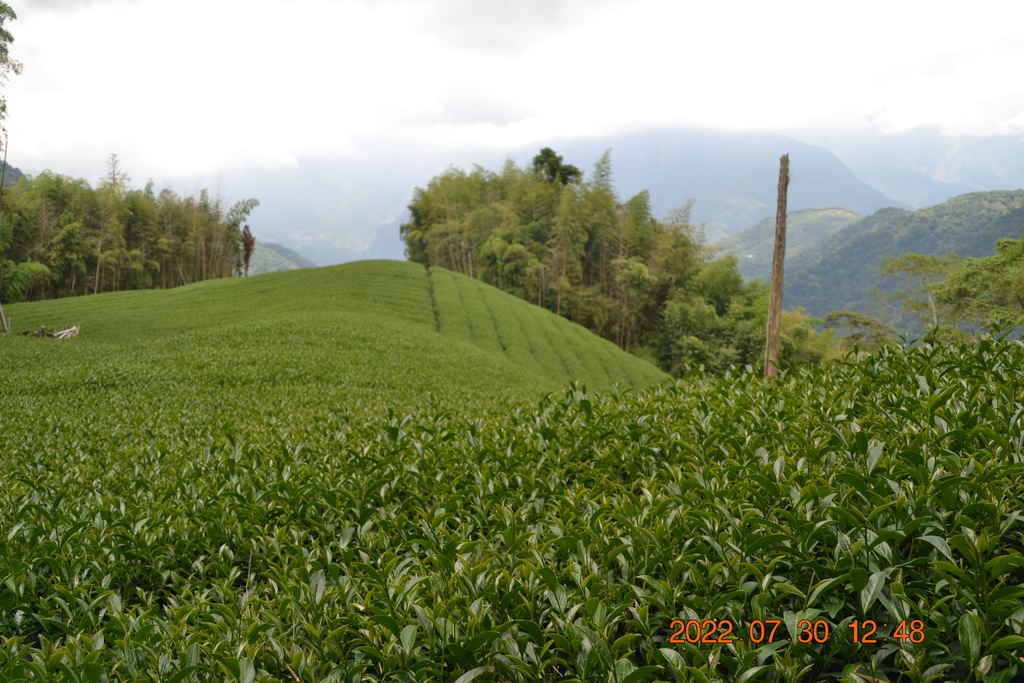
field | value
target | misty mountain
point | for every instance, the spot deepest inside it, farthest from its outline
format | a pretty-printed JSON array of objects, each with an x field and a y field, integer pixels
[
  {"x": 733, "y": 177},
  {"x": 923, "y": 167},
  {"x": 334, "y": 209}
]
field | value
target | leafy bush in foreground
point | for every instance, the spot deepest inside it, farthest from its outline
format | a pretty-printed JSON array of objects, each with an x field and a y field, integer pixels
[{"x": 559, "y": 541}]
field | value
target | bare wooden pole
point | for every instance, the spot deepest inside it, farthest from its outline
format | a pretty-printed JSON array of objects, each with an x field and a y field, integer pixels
[{"x": 771, "y": 351}]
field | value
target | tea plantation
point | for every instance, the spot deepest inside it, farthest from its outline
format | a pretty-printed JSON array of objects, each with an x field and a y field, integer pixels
[{"x": 360, "y": 474}]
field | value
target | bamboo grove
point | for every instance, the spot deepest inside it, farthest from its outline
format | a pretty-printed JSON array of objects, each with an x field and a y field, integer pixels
[
  {"x": 61, "y": 237},
  {"x": 563, "y": 244},
  {"x": 572, "y": 246}
]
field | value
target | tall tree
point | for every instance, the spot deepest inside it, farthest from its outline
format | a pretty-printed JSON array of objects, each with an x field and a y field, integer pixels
[
  {"x": 920, "y": 275},
  {"x": 551, "y": 167},
  {"x": 545, "y": 235},
  {"x": 567, "y": 244},
  {"x": 59, "y": 237},
  {"x": 109, "y": 239},
  {"x": 988, "y": 290},
  {"x": 7, "y": 65}
]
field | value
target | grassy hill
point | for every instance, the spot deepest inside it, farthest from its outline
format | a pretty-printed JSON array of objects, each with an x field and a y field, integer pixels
[
  {"x": 366, "y": 334},
  {"x": 840, "y": 271},
  {"x": 804, "y": 229}
]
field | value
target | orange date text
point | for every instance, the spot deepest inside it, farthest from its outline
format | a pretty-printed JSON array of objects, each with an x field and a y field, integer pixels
[{"x": 723, "y": 631}]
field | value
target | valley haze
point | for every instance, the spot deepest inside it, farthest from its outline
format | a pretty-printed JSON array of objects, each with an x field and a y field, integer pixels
[{"x": 331, "y": 112}]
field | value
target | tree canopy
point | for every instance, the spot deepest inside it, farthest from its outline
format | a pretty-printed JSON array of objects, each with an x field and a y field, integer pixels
[
  {"x": 7, "y": 64},
  {"x": 61, "y": 237},
  {"x": 920, "y": 274},
  {"x": 988, "y": 290},
  {"x": 572, "y": 245},
  {"x": 962, "y": 294},
  {"x": 551, "y": 167}
]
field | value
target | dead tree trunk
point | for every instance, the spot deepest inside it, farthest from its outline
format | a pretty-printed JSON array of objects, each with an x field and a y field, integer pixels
[{"x": 771, "y": 351}]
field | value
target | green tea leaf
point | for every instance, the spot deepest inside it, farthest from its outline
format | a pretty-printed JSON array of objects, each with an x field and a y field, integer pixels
[
  {"x": 246, "y": 670},
  {"x": 674, "y": 659},
  {"x": 970, "y": 638},
  {"x": 473, "y": 673},
  {"x": 387, "y": 622},
  {"x": 408, "y": 638},
  {"x": 871, "y": 590},
  {"x": 940, "y": 544},
  {"x": 318, "y": 583}
]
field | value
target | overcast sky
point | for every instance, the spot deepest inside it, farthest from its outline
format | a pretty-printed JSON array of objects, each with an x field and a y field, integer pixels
[{"x": 185, "y": 89}]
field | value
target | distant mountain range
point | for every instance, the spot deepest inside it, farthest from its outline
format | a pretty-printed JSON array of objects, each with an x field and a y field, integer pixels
[
  {"x": 754, "y": 247},
  {"x": 839, "y": 271},
  {"x": 338, "y": 210},
  {"x": 269, "y": 257},
  {"x": 733, "y": 177},
  {"x": 923, "y": 167},
  {"x": 335, "y": 210}
]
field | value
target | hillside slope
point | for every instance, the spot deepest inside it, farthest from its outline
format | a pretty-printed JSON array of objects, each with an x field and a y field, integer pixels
[
  {"x": 755, "y": 246},
  {"x": 365, "y": 332},
  {"x": 271, "y": 258},
  {"x": 839, "y": 272}
]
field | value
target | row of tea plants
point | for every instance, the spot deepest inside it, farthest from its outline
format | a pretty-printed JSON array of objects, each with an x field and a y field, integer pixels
[{"x": 182, "y": 532}]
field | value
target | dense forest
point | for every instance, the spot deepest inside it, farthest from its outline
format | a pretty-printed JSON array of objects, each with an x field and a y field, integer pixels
[
  {"x": 806, "y": 230},
  {"x": 843, "y": 270},
  {"x": 573, "y": 246},
  {"x": 953, "y": 295},
  {"x": 61, "y": 237}
]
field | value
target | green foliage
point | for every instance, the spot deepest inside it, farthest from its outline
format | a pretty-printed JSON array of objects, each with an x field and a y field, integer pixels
[
  {"x": 7, "y": 65},
  {"x": 559, "y": 245},
  {"x": 255, "y": 523},
  {"x": 17, "y": 279},
  {"x": 718, "y": 322},
  {"x": 859, "y": 331},
  {"x": 115, "y": 238},
  {"x": 988, "y": 290},
  {"x": 920, "y": 275},
  {"x": 550, "y": 166},
  {"x": 947, "y": 292},
  {"x": 839, "y": 273}
]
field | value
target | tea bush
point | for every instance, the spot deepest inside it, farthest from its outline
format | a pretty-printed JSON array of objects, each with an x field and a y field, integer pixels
[{"x": 182, "y": 509}]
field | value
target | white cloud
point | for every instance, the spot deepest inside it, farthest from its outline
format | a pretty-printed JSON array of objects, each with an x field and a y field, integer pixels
[
  {"x": 65, "y": 6},
  {"x": 190, "y": 88},
  {"x": 500, "y": 25}
]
